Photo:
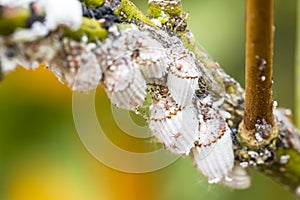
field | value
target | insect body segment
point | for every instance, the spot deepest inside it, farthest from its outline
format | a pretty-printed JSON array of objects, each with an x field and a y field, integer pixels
[
  {"x": 77, "y": 65},
  {"x": 213, "y": 151},
  {"x": 215, "y": 160},
  {"x": 152, "y": 63},
  {"x": 182, "y": 80},
  {"x": 125, "y": 84},
  {"x": 174, "y": 126},
  {"x": 212, "y": 126}
]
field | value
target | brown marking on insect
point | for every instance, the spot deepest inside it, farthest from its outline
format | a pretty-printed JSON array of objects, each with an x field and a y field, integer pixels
[
  {"x": 152, "y": 62},
  {"x": 205, "y": 145},
  {"x": 210, "y": 142},
  {"x": 135, "y": 53},
  {"x": 176, "y": 135},
  {"x": 216, "y": 138},
  {"x": 182, "y": 76},
  {"x": 171, "y": 114},
  {"x": 221, "y": 134},
  {"x": 164, "y": 91},
  {"x": 166, "y": 106},
  {"x": 173, "y": 146},
  {"x": 183, "y": 55},
  {"x": 179, "y": 66},
  {"x": 177, "y": 110},
  {"x": 164, "y": 145},
  {"x": 197, "y": 144},
  {"x": 206, "y": 116},
  {"x": 223, "y": 127},
  {"x": 140, "y": 62}
]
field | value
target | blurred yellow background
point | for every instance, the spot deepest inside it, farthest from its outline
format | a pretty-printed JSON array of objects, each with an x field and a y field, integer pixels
[{"x": 42, "y": 157}]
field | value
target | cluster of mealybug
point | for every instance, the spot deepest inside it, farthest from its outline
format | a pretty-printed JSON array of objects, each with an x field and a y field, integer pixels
[
  {"x": 183, "y": 115},
  {"x": 77, "y": 65},
  {"x": 173, "y": 125},
  {"x": 182, "y": 122}
]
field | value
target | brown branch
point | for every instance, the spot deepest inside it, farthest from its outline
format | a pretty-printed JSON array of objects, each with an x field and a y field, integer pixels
[{"x": 259, "y": 60}]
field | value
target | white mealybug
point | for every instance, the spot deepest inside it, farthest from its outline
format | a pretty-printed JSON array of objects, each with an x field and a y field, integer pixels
[
  {"x": 183, "y": 79},
  {"x": 215, "y": 161},
  {"x": 88, "y": 75},
  {"x": 152, "y": 63},
  {"x": 76, "y": 64},
  {"x": 176, "y": 127},
  {"x": 124, "y": 84},
  {"x": 213, "y": 152}
]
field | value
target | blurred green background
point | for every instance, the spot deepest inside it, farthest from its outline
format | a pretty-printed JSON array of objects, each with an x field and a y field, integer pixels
[{"x": 42, "y": 157}]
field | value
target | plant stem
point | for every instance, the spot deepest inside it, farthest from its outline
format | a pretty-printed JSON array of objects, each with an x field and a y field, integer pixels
[{"x": 259, "y": 60}]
